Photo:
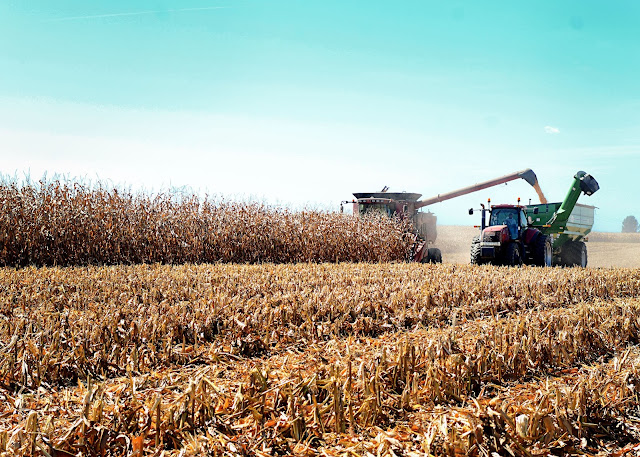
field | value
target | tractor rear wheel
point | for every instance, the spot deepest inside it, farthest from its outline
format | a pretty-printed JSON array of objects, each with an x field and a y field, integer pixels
[
  {"x": 512, "y": 255},
  {"x": 475, "y": 251},
  {"x": 542, "y": 251}
]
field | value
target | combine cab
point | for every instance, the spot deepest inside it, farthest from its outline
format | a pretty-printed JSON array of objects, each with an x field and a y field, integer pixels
[{"x": 405, "y": 206}]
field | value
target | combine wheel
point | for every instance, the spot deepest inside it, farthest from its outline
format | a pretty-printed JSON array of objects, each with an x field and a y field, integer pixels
[
  {"x": 433, "y": 256},
  {"x": 475, "y": 251},
  {"x": 542, "y": 251},
  {"x": 512, "y": 256}
]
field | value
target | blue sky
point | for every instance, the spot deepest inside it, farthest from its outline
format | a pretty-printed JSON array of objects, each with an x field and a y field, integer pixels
[{"x": 304, "y": 102}]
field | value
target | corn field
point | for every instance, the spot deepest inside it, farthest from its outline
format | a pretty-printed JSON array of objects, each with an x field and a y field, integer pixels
[
  {"x": 64, "y": 223},
  {"x": 319, "y": 359}
]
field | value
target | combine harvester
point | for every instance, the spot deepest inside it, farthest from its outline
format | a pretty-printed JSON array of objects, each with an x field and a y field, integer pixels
[
  {"x": 407, "y": 206},
  {"x": 544, "y": 234}
]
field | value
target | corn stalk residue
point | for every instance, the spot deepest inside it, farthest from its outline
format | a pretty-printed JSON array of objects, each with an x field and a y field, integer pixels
[{"x": 318, "y": 360}]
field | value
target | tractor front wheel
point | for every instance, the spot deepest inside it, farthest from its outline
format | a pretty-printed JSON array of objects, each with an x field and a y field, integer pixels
[
  {"x": 512, "y": 256},
  {"x": 475, "y": 251}
]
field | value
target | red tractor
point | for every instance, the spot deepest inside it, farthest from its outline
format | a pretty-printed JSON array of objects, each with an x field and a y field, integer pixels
[{"x": 509, "y": 239}]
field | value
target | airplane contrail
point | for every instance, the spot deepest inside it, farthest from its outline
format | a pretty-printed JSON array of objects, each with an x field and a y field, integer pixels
[{"x": 136, "y": 13}]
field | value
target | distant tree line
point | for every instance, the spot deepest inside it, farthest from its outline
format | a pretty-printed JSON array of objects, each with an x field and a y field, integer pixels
[{"x": 630, "y": 225}]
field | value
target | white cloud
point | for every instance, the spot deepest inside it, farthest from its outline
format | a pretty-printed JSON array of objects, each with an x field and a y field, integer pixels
[{"x": 551, "y": 130}]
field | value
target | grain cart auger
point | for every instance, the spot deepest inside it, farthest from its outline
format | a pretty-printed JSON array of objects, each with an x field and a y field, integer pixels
[
  {"x": 407, "y": 206},
  {"x": 544, "y": 234}
]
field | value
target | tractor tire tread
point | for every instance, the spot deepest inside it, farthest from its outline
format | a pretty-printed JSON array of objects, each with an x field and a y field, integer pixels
[
  {"x": 512, "y": 255},
  {"x": 475, "y": 251}
]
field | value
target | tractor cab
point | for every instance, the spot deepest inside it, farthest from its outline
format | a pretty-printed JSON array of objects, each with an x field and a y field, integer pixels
[
  {"x": 509, "y": 216},
  {"x": 505, "y": 223}
]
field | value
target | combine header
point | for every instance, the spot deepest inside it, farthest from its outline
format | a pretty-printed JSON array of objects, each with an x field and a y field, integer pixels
[
  {"x": 544, "y": 234},
  {"x": 407, "y": 206}
]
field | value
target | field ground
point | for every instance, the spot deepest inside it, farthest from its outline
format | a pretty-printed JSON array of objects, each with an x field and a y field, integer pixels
[
  {"x": 319, "y": 359},
  {"x": 604, "y": 249}
]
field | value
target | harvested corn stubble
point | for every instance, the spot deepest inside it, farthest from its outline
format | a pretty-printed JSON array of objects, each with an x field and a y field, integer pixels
[{"x": 318, "y": 359}]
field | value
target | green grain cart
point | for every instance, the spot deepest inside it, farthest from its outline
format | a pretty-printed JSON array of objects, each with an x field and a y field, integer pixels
[{"x": 568, "y": 221}]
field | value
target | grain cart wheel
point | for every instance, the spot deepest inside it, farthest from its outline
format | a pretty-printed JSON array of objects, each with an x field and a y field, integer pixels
[
  {"x": 512, "y": 255},
  {"x": 583, "y": 254},
  {"x": 574, "y": 253},
  {"x": 434, "y": 255},
  {"x": 567, "y": 256},
  {"x": 542, "y": 251},
  {"x": 475, "y": 251}
]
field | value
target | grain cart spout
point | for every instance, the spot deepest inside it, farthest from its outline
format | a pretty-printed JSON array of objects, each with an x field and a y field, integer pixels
[
  {"x": 407, "y": 206},
  {"x": 582, "y": 182}
]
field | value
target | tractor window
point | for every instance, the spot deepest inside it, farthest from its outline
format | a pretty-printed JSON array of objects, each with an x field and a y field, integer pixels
[
  {"x": 523, "y": 219},
  {"x": 499, "y": 216}
]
